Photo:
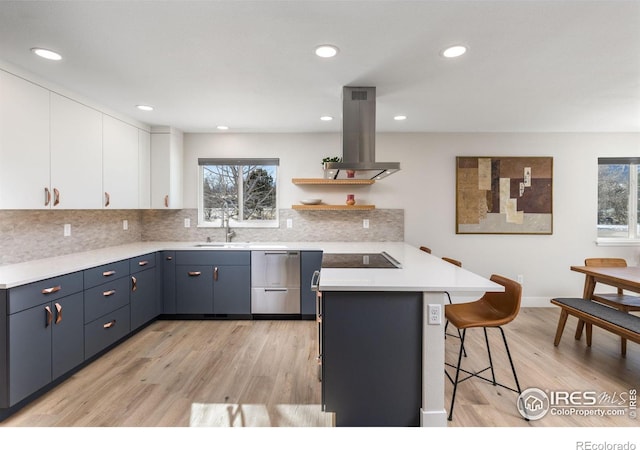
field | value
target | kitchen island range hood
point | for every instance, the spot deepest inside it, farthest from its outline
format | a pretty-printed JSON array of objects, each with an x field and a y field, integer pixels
[{"x": 359, "y": 139}]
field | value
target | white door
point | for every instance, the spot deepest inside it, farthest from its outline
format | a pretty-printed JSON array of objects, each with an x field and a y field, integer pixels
[
  {"x": 76, "y": 154},
  {"x": 119, "y": 164},
  {"x": 24, "y": 144}
]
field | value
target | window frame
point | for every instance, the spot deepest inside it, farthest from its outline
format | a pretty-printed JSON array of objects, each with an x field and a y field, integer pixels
[
  {"x": 633, "y": 234},
  {"x": 217, "y": 223}
]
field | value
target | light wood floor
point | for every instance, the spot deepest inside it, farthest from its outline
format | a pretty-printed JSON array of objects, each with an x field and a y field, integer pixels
[{"x": 263, "y": 373}]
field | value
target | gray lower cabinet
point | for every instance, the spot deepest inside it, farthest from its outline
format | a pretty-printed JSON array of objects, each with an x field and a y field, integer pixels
[
  {"x": 143, "y": 297},
  {"x": 310, "y": 261},
  {"x": 213, "y": 282},
  {"x": 44, "y": 335},
  {"x": 168, "y": 282}
]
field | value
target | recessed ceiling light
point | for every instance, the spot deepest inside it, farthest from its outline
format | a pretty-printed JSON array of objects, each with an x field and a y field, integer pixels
[
  {"x": 222, "y": 127},
  {"x": 326, "y": 51},
  {"x": 47, "y": 54},
  {"x": 326, "y": 118},
  {"x": 400, "y": 117},
  {"x": 144, "y": 107},
  {"x": 454, "y": 51}
]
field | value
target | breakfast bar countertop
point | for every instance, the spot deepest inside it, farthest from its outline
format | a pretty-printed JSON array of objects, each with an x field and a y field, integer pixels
[{"x": 419, "y": 272}]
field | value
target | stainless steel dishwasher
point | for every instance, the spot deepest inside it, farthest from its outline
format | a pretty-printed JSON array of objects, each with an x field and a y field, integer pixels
[{"x": 275, "y": 282}]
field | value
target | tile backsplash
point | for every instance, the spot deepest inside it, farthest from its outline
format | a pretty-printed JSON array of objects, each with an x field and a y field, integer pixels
[{"x": 28, "y": 235}]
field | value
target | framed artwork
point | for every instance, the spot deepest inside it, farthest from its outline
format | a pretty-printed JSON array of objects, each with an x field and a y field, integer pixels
[{"x": 504, "y": 195}]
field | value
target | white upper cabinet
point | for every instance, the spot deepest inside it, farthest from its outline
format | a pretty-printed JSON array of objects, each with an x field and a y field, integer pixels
[
  {"x": 76, "y": 154},
  {"x": 144, "y": 169},
  {"x": 120, "y": 164},
  {"x": 166, "y": 168},
  {"x": 24, "y": 144}
]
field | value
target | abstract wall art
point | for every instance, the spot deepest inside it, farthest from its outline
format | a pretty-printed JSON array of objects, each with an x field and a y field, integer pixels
[{"x": 504, "y": 195}]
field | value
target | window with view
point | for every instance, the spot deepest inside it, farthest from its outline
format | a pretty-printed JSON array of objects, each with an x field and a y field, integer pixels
[
  {"x": 618, "y": 198},
  {"x": 240, "y": 192}
]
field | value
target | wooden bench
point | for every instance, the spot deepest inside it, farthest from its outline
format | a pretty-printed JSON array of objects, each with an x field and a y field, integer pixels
[{"x": 592, "y": 313}]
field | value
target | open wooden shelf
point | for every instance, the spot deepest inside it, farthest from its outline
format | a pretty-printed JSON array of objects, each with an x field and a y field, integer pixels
[
  {"x": 328, "y": 181},
  {"x": 333, "y": 207}
]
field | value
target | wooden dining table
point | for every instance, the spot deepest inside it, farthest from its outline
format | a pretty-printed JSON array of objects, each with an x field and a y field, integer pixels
[{"x": 627, "y": 278}]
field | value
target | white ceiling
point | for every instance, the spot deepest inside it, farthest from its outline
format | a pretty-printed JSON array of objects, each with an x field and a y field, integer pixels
[{"x": 538, "y": 66}]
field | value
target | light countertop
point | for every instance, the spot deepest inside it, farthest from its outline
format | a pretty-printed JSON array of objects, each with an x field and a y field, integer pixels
[{"x": 420, "y": 271}]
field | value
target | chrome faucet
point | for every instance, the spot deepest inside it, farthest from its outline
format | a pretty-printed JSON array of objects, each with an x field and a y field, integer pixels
[{"x": 228, "y": 232}]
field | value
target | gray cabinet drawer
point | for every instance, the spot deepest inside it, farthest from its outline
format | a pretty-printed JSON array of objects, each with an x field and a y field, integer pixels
[
  {"x": 214, "y": 258},
  {"x": 34, "y": 294},
  {"x": 143, "y": 262},
  {"x": 105, "y": 330},
  {"x": 102, "y": 274},
  {"x": 106, "y": 298}
]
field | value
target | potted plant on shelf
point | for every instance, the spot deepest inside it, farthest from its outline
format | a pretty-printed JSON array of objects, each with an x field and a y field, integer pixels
[{"x": 331, "y": 159}]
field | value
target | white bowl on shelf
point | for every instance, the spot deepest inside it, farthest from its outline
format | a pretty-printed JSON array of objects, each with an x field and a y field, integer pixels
[{"x": 311, "y": 201}]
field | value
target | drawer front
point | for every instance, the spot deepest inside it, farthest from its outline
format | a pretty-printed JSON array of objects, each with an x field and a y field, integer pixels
[
  {"x": 105, "y": 330},
  {"x": 275, "y": 301},
  {"x": 214, "y": 258},
  {"x": 34, "y": 294},
  {"x": 143, "y": 262},
  {"x": 102, "y": 274},
  {"x": 106, "y": 298}
]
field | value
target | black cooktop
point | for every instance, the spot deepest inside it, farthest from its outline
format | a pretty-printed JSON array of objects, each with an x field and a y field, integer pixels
[{"x": 359, "y": 261}]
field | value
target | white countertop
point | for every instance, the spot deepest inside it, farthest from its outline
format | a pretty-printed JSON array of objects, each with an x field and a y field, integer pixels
[{"x": 420, "y": 271}]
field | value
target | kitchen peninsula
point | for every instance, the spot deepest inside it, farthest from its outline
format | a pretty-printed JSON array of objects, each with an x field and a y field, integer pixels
[{"x": 421, "y": 280}]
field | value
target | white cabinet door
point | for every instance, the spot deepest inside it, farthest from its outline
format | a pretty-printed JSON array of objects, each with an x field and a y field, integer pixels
[
  {"x": 76, "y": 154},
  {"x": 120, "y": 164},
  {"x": 144, "y": 169},
  {"x": 166, "y": 170},
  {"x": 24, "y": 144}
]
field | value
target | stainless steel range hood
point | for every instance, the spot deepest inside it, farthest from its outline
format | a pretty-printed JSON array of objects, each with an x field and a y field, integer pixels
[{"x": 359, "y": 139}]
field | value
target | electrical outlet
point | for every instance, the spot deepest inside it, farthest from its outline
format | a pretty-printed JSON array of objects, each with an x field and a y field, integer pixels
[
  {"x": 520, "y": 279},
  {"x": 289, "y": 223},
  {"x": 67, "y": 229},
  {"x": 125, "y": 224},
  {"x": 187, "y": 223},
  {"x": 365, "y": 223},
  {"x": 435, "y": 314}
]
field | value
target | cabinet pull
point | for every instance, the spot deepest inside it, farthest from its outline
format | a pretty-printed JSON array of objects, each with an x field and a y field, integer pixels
[
  {"x": 143, "y": 263},
  {"x": 49, "y": 315},
  {"x": 109, "y": 293},
  {"x": 169, "y": 258},
  {"x": 58, "y": 313},
  {"x": 56, "y": 197},
  {"x": 134, "y": 284},
  {"x": 166, "y": 201},
  {"x": 194, "y": 274},
  {"x": 107, "y": 199},
  {"x": 108, "y": 273},
  {"x": 109, "y": 324},
  {"x": 51, "y": 290},
  {"x": 47, "y": 196},
  {"x": 315, "y": 280},
  {"x": 215, "y": 274}
]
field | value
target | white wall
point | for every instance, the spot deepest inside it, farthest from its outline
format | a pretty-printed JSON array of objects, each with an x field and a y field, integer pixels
[{"x": 425, "y": 189}]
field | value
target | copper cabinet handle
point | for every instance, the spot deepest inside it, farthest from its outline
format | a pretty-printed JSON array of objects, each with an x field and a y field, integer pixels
[
  {"x": 215, "y": 274},
  {"x": 109, "y": 324},
  {"x": 49, "y": 315},
  {"x": 134, "y": 284},
  {"x": 56, "y": 197},
  {"x": 51, "y": 290},
  {"x": 47, "y": 196},
  {"x": 108, "y": 273},
  {"x": 109, "y": 293},
  {"x": 166, "y": 201},
  {"x": 143, "y": 263},
  {"x": 194, "y": 274},
  {"x": 58, "y": 313},
  {"x": 107, "y": 199}
]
